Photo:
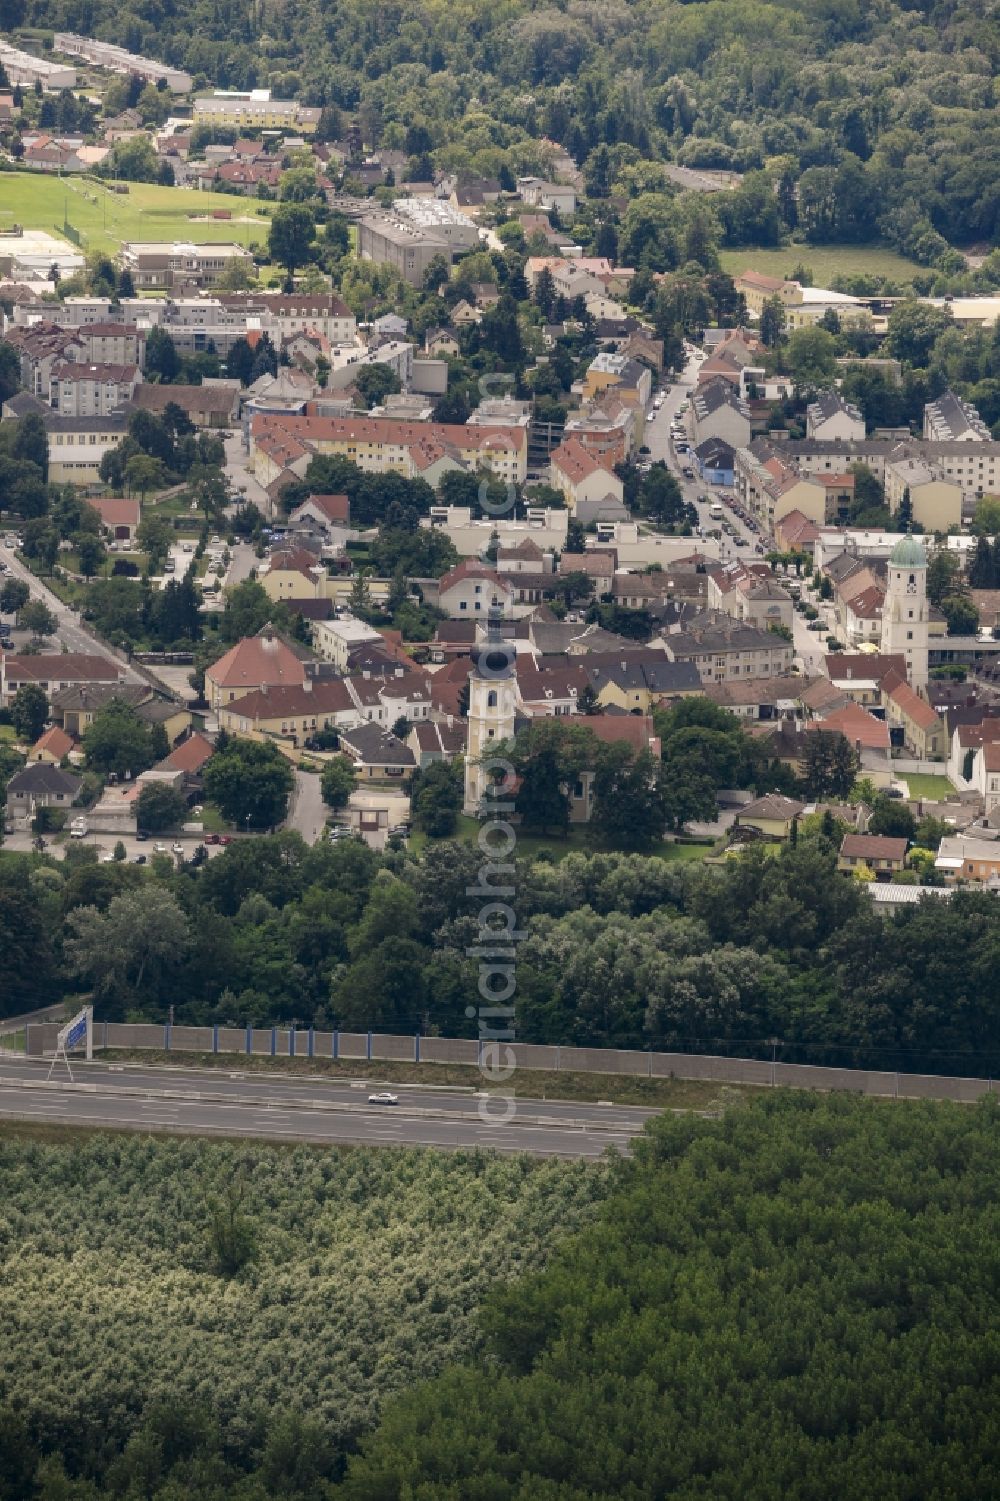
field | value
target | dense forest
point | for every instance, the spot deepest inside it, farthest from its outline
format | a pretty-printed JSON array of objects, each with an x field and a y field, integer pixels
[
  {"x": 794, "y": 1297},
  {"x": 870, "y": 118},
  {"x": 620, "y": 949},
  {"x": 796, "y": 1300},
  {"x": 179, "y": 1315}
]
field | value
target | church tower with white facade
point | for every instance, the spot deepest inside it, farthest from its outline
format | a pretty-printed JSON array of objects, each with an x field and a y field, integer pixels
[
  {"x": 905, "y": 624},
  {"x": 492, "y": 706}
]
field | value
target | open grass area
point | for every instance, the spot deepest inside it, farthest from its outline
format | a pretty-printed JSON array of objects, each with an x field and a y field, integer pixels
[
  {"x": 825, "y": 262},
  {"x": 933, "y": 788},
  {"x": 146, "y": 212},
  {"x": 580, "y": 838},
  {"x": 528, "y": 1084},
  {"x": 8, "y": 734}
]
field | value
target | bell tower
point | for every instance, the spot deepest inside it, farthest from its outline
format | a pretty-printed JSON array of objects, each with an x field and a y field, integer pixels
[
  {"x": 492, "y": 706},
  {"x": 905, "y": 621}
]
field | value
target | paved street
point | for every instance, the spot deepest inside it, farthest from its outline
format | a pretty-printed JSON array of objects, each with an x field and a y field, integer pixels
[
  {"x": 247, "y": 487},
  {"x": 659, "y": 443},
  {"x": 207, "y": 1102},
  {"x": 307, "y": 811},
  {"x": 70, "y": 634},
  {"x": 23, "y": 843}
]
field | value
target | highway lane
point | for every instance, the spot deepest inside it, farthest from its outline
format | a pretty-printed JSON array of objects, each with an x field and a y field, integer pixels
[
  {"x": 533, "y": 1128},
  {"x": 307, "y": 1109}
]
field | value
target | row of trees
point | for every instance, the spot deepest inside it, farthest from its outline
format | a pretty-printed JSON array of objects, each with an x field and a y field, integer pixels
[{"x": 620, "y": 949}]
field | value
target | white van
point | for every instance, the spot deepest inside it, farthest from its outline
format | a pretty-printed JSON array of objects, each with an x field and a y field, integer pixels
[{"x": 78, "y": 828}]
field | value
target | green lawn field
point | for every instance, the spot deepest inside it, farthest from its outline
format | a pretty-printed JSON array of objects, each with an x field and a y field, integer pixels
[
  {"x": 825, "y": 262},
  {"x": 929, "y": 787},
  {"x": 145, "y": 212},
  {"x": 578, "y": 839}
]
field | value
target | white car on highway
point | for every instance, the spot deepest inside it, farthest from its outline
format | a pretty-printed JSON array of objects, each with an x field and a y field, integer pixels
[{"x": 385, "y": 1098}]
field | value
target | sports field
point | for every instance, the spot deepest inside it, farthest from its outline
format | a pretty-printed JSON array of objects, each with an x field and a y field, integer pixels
[
  {"x": 146, "y": 212},
  {"x": 825, "y": 262}
]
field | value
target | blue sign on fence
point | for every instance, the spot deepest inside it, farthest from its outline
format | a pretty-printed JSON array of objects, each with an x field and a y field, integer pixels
[{"x": 77, "y": 1032}]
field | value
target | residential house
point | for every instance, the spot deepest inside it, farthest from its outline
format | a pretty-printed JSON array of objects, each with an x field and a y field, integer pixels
[
  {"x": 52, "y": 671},
  {"x": 377, "y": 754},
  {"x": 880, "y": 854},
  {"x": 867, "y": 736},
  {"x": 293, "y": 711},
  {"x": 722, "y": 648},
  {"x": 440, "y": 342},
  {"x": 535, "y": 192},
  {"x": 913, "y": 723},
  {"x": 191, "y": 756},
  {"x": 636, "y": 731},
  {"x": 474, "y": 589},
  {"x": 208, "y": 406},
  {"x": 335, "y": 640},
  {"x": 631, "y": 380},
  {"x": 963, "y": 858},
  {"x": 861, "y": 614},
  {"x": 860, "y": 676},
  {"x": 434, "y": 740},
  {"x": 760, "y": 699},
  {"x": 749, "y": 592},
  {"x": 935, "y": 500},
  {"x": 329, "y": 514},
  {"x": 949, "y": 419},
  {"x": 772, "y": 815},
  {"x": 717, "y": 411},
  {"x": 292, "y": 573},
  {"x": 40, "y": 786},
  {"x": 579, "y": 475},
  {"x": 714, "y": 459},
  {"x": 828, "y": 415},
  {"x": 75, "y": 706},
  {"x": 524, "y": 557},
  {"x": 53, "y": 746},
  {"x": 598, "y": 566}
]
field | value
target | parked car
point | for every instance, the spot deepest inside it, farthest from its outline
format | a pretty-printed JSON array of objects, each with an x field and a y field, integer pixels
[
  {"x": 141, "y": 835},
  {"x": 177, "y": 849},
  {"x": 159, "y": 849},
  {"x": 140, "y": 860},
  {"x": 383, "y": 1098}
]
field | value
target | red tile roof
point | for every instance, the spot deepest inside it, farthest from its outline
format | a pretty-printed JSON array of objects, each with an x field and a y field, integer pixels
[
  {"x": 333, "y": 507},
  {"x": 872, "y": 847},
  {"x": 192, "y": 753},
  {"x": 914, "y": 707},
  {"x": 856, "y": 725},
  {"x": 331, "y": 697},
  {"x": 61, "y": 667},
  {"x": 117, "y": 511},
  {"x": 256, "y": 661},
  {"x": 55, "y": 742}
]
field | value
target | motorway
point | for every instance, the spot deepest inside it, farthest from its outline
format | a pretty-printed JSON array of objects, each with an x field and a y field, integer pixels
[{"x": 225, "y": 1102}]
